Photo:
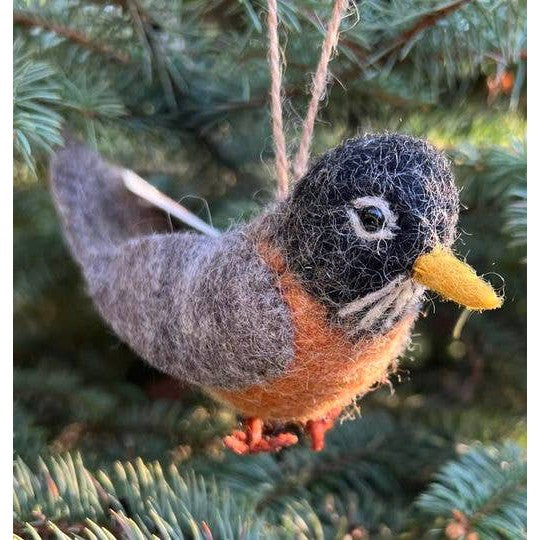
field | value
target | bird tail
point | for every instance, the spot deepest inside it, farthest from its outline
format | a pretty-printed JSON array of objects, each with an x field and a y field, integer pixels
[{"x": 96, "y": 210}]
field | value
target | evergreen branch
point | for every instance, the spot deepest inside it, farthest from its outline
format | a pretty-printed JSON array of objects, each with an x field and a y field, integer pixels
[
  {"x": 363, "y": 58},
  {"x": 146, "y": 27},
  {"x": 30, "y": 21},
  {"x": 125, "y": 5},
  {"x": 35, "y": 95},
  {"x": 426, "y": 21},
  {"x": 139, "y": 498},
  {"x": 43, "y": 527},
  {"x": 491, "y": 175},
  {"x": 516, "y": 217},
  {"x": 363, "y": 457},
  {"x": 483, "y": 492}
]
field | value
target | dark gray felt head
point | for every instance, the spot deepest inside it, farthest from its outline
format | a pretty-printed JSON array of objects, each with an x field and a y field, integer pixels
[{"x": 364, "y": 212}]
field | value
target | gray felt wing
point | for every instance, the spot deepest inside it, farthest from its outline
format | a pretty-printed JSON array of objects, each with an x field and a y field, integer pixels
[{"x": 202, "y": 309}]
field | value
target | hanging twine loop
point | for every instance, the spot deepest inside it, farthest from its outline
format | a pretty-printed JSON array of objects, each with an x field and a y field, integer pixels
[
  {"x": 320, "y": 81},
  {"x": 282, "y": 164}
]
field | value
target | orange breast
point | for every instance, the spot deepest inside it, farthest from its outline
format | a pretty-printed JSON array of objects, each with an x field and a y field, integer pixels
[{"x": 328, "y": 370}]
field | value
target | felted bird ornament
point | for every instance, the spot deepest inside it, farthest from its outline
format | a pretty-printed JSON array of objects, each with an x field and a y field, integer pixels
[{"x": 293, "y": 315}]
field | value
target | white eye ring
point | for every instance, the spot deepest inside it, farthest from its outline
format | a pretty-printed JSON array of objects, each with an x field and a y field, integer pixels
[{"x": 390, "y": 220}]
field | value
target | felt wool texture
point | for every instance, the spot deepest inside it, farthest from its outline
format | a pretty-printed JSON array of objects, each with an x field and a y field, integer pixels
[
  {"x": 289, "y": 316},
  {"x": 201, "y": 309},
  {"x": 329, "y": 369},
  {"x": 315, "y": 236}
]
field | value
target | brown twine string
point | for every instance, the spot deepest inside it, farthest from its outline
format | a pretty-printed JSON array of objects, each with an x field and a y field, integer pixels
[
  {"x": 319, "y": 86},
  {"x": 282, "y": 165},
  {"x": 318, "y": 89}
]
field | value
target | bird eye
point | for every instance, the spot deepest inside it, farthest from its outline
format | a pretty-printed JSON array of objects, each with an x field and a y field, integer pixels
[{"x": 372, "y": 218}]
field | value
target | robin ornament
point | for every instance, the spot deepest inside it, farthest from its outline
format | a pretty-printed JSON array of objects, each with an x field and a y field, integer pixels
[{"x": 294, "y": 315}]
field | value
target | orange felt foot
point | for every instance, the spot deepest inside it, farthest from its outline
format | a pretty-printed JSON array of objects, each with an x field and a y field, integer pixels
[
  {"x": 254, "y": 429},
  {"x": 236, "y": 442},
  {"x": 252, "y": 440},
  {"x": 317, "y": 429}
]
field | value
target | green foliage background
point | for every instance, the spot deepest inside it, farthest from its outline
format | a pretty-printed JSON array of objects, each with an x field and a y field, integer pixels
[{"x": 105, "y": 447}]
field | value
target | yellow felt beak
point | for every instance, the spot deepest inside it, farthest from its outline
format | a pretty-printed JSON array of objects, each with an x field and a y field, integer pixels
[{"x": 442, "y": 272}]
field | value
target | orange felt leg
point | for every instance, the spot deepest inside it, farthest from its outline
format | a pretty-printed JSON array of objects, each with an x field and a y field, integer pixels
[
  {"x": 283, "y": 440},
  {"x": 235, "y": 443},
  {"x": 274, "y": 443},
  {"x": 252, "y": 440},
  {"x": 254, "y": 431},
  {"x": 317, "y": 429}
]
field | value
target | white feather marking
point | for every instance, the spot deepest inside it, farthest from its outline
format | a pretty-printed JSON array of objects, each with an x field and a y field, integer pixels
[
  {"x": 399, "y": 297},
  {"x": 378, "y": 310},
  {"x": 152, "y": 195},
  {"x": 408, "y": 299},
  {"x": 360, "y": 303}
]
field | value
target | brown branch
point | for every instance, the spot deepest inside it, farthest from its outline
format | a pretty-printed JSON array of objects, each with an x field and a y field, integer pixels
[
  {"x": 428, "y": 20},
  {"x": 44, "y": 529},
  {"x": 29, "y": 21}
]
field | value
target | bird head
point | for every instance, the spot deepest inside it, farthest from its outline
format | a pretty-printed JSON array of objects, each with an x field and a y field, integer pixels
[{"x": 373, "y": 214}]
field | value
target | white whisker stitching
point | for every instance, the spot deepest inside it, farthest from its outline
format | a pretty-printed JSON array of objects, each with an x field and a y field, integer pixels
[
  {"x": 371, "y": 298},
  {"x": 378, "y": 310},
  {"x": 408, "y": 293}
]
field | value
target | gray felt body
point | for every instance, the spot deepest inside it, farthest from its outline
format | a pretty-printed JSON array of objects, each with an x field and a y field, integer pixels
[{"x": 205, "y": 310}]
